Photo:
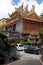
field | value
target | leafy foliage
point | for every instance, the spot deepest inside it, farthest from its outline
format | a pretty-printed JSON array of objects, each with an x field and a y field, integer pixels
[
  {"x": 24, "y": 43},
  {"x": 40, "y": 32},
  {"x": 41, "y": 16}
]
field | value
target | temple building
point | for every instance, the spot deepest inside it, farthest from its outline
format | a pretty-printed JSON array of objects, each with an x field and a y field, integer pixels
[{"x": 23, "y": 20}]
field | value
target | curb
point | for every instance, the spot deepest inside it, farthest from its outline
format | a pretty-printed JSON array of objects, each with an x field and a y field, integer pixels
[{"x": 40, "y": 61}]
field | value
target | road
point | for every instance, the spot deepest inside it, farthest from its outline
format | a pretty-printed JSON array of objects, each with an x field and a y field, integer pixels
[{"x": 27, "y": 59}]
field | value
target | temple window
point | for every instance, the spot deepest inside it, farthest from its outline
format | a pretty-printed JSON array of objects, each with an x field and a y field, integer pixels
[
  {"x": 6, "y": 28},
  {"x": 14, "y": 27}
]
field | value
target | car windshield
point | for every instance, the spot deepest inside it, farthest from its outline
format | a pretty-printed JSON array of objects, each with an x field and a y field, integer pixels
[{"x": 20, "y": 45}]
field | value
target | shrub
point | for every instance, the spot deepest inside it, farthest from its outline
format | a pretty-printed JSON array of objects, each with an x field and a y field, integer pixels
[{"x": 24, "y": 43}]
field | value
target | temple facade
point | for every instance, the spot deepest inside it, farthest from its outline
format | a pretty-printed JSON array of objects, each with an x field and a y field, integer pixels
[{"x": 23, "y": 20}]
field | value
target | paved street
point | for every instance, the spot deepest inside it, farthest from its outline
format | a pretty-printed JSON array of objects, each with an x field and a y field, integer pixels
[{"x": 27, "y": 59}]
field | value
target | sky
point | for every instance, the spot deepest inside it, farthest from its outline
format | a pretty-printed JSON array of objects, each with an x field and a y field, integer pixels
[{"x": 8, "y": 6}]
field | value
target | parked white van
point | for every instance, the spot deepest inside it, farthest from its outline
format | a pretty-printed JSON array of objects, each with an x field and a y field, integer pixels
[{"x": 20, "y": 47}]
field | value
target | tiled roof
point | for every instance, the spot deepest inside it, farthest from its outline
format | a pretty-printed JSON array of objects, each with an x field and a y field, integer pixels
[
  {"x": 24, "y": 14},
  {"x": 33, "y": 20}
]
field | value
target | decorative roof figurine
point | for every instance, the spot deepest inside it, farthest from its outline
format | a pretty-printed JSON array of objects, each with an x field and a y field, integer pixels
[
  {"x": 26, "y": 8},
  {"x": 19, "y": 9},
  {"x": 33, "y": 8}
]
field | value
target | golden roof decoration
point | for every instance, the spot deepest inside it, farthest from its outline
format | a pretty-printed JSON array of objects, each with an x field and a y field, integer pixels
[
  {"x": 26, "y": 8},
  {"x": 33, "y": 8},
  {"x": 9, "y": 14},
  {"x": 24, "y": 13},
  {"x": 19, "y": 9}
]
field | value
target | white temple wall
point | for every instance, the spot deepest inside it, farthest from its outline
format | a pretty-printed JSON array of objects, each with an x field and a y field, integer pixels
[{"x": 19, "y": 26}]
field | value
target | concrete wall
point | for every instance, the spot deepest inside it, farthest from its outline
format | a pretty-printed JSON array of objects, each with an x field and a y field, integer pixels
[{"x": 19, "y": 26}]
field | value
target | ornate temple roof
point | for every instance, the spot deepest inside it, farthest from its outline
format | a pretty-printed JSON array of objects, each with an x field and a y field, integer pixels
[
  {"x": 23, "y": 13},
  {"x": 32, "y": 15},
  {"x": 19, "y": 14}
]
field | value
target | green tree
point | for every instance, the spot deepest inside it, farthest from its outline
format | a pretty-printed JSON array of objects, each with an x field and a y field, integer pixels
[{"x": 41, "y": 16}]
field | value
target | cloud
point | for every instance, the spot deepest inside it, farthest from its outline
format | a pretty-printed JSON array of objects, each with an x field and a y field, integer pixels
[{"x": 6, "y": 6}]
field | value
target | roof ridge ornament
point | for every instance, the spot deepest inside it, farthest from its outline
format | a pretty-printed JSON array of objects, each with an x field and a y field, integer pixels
[
  {"x": 33, "y": 8},
  {"x": 26, "y": 8},
  {"x": 9, "y": 14},
  {"x": 21, "y": 7}
]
